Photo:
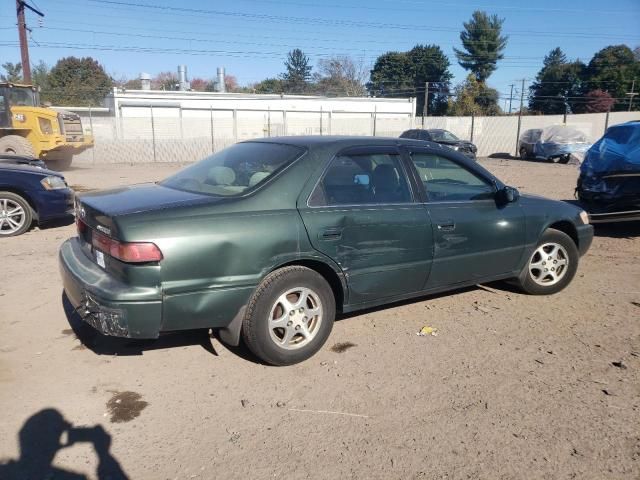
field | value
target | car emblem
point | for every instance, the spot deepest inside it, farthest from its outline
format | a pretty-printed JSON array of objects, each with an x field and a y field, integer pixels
[
  {"x": 104, "y": 230},
  {"x": 83, "y": 213}
]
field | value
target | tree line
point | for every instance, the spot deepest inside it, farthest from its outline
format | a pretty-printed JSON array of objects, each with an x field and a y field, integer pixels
[{"x": 561, "y": 86}]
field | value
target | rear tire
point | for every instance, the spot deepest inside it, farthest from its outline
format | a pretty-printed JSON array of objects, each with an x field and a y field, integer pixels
[
  {"x": 523, "y": 154},
  {"x": 16, "y": 215},
  {"x": 552, "y": 265},
  {"x": 16, "y": 145},
  {"x": 289, "y": 316}
]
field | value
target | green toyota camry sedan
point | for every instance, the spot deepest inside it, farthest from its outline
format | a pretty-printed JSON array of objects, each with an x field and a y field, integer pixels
[{"x": 268, "y": 239}]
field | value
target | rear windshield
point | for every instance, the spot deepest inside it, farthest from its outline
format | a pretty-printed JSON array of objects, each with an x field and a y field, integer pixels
[{"x": 234, "y": 170}]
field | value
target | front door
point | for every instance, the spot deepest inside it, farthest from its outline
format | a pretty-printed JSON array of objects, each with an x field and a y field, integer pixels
[
  {"x": 474, "y": 237},
  {"x": 363, "y": 215}
]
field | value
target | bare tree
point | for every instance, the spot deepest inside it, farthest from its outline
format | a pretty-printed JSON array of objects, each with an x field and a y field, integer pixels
[{"x": 341, "y": 76}]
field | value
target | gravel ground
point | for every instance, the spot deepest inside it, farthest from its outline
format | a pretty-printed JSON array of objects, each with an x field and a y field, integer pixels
[{"x": 513, "y": 386}]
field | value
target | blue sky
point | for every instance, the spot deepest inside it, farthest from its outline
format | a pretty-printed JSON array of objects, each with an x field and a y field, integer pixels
[{"x": 251, "y": 37}]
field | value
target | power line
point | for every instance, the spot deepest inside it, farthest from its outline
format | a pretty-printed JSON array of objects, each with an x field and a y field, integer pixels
[{"x": 324, "y": 21}]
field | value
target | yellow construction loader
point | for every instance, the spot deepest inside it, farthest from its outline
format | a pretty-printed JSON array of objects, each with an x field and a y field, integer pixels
[{"x": 31, "y": 130}]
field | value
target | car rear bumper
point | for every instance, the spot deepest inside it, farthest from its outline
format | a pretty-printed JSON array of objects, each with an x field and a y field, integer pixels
[
  {"x": 585, "y": 237},
  {"x": 109, "y": 305}
]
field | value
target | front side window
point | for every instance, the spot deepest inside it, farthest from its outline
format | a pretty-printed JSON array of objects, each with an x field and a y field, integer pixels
[
  {"x": 446, "y": 181},
  {"x": 234, "y": 170},
  {"x": 362, "y": 180},
  {"x": 443, "y": 136}
]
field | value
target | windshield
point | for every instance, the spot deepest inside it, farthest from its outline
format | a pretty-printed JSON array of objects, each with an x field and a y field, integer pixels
[
  {"x": 443, "y": 136},
  {"x": 234, "y": 170},
  {"x": 21, "y": 97}
]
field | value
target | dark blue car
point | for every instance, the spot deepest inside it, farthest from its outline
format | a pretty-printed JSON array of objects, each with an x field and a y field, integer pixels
[{"x": 29, "y": 193}]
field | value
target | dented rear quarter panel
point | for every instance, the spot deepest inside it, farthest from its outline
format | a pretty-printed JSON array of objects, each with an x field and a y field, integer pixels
[{"x": 215, "y": 254}]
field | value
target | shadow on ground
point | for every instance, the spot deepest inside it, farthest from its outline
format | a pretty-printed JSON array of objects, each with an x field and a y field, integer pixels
[
  {"x": 618, "y": 229},
  {"x": 47, "y": 432}
]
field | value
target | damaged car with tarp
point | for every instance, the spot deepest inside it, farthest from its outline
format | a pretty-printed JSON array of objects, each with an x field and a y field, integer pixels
[
  {"x": 555, "y": 143},
  {"x": 609, "y": 182}
]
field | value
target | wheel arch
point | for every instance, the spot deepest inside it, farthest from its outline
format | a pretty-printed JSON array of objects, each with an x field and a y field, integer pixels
[
  {"x": 567, "y": 227},
  {"x": 334, "y": 278},
  {"x": 23, "y": 194}
]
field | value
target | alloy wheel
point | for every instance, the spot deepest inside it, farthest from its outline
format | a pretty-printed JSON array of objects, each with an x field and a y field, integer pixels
[
  {"x": 12, "y": 216},
  {"x": 548, "y": 264},
  {"x": 295, "y": 318}
]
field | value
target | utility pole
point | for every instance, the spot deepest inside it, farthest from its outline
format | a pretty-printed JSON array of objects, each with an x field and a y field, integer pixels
[
  {"x": 520, "y": 115},
  {"x": 22, "y": 34},
  {"x": 425, "y": 107},
  {"x": 511, "y": 97},
  {"x": 632, "y": 94}
]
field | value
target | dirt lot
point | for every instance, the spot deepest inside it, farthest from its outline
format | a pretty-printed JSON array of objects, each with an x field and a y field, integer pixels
[{"x": 512, "y": 386}]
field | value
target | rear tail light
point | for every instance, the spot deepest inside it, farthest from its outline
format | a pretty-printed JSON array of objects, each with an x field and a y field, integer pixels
[
  {"x": 129, "y": 252},
  {"x": 82, "y": 227}
]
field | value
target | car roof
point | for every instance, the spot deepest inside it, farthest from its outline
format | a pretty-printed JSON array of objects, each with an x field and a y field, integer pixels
[{"x": 311, "y": 141}]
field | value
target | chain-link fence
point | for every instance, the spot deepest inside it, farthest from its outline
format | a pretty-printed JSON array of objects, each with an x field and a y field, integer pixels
[{"x": 161, "y": 135}]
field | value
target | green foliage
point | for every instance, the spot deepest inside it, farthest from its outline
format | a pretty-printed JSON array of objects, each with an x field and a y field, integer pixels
[
  {"x": 473, "y": 97},
  {"x": 483, "y": 44},
  {"x": 400, "y": 74},
  {"x": 563, "y": 86},
  {"x": 558, "y": 85},
  {"x": 268, "y": 85},
  {"x": 296, "y": 78},
  {"x": 613, "y": 69},
  {"x": 13, "y": 72},
  {"x": 40, "y": 75},
  {"x": 77, "y": 82}
]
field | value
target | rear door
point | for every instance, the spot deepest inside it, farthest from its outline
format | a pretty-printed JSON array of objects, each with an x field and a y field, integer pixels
[
  {"x": 474, "y": 237},
  {"x": 363, "y": 214}
]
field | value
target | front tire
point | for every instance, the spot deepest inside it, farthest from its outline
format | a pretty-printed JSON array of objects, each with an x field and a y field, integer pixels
[
  {"x": 289, "y": 316},
  {"x": 16, "y": 145},
  {"x": 16, "y": 215},
  {"x": 552, "y": 265}
]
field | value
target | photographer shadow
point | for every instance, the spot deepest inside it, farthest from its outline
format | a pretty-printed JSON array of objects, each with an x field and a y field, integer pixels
[{"x": 41, "y": 437}]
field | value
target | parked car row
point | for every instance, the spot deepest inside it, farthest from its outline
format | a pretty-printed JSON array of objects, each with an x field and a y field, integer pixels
[{"x": 268, "y": 240}]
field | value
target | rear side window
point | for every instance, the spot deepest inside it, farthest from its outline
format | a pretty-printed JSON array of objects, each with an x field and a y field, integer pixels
[
  {"x": 234, "y": 170},
  {"x": 446, "y": 181},
  {"x": 362, "y": 180},
  {"x": 409, "y": 134}
]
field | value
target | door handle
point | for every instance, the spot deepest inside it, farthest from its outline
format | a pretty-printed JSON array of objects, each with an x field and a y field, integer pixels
[
  {"x": 446, "y": 226},
  {"x": 331, "y": 234}
]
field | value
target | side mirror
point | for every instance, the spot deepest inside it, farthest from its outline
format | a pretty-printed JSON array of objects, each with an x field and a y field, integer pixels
[{"x": 508, "y": 195}]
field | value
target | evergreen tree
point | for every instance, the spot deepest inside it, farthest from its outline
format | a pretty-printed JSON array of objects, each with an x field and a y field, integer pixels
[
  {"x": 483, "y": 44},
  {"x": 13, "y": 72},
  {"x": 558, "y": 86},
  {"x": 296, "y": 78}
]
